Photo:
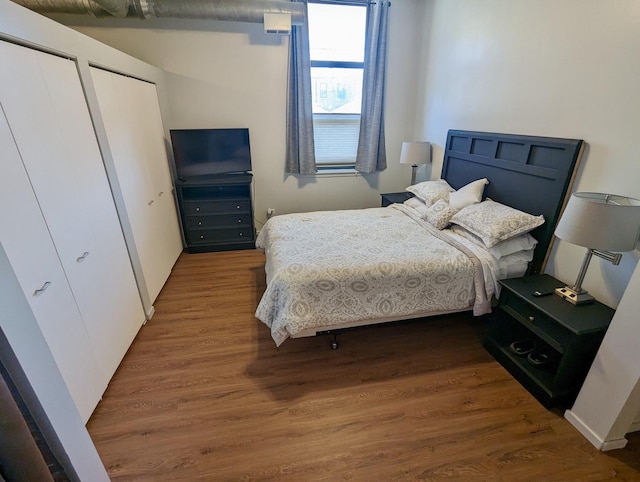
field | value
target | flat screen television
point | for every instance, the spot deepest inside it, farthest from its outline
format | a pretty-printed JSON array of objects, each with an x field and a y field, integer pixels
[{"x": 206, "y": 152}]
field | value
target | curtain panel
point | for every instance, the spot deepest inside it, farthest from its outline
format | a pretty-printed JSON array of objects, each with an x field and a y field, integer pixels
[
  {"x": 372, "y": 155},
  {"x": 300, "y": 150}
]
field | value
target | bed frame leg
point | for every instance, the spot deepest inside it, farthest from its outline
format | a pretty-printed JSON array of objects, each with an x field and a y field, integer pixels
[{"x": 334, "y": 342}]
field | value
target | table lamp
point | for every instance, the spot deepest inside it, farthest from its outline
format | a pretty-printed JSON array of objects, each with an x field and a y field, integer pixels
[
  {"x": 414, "y": 153},
  {"x": 601, "y": 223}
]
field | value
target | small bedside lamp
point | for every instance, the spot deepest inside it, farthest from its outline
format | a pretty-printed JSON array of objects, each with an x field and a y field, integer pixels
[
  {"x": 414, "y": 153},
  {"x": 602, "y": 223}
]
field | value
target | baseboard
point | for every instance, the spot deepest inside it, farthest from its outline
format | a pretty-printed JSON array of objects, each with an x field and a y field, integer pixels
[
  {"x": 150, "y": 313},
  {"x": 591, "y": 436}
]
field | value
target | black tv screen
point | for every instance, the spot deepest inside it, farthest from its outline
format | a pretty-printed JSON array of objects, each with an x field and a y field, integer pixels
[{"x": 205, "y": 152}]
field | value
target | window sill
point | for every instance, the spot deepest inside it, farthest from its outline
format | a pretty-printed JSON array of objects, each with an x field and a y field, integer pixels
[{"x": 334, "y": 173}]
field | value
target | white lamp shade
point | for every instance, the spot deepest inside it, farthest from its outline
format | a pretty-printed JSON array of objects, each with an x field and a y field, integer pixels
[
  {"x": 600, "y": 221},
  {"x": 415, "y": 152}
]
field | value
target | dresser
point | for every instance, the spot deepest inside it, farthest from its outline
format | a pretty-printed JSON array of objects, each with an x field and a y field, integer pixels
[{"x": 217, "y": 213}]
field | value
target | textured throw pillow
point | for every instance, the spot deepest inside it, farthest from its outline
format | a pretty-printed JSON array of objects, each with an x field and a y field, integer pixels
[
  {"x": 439, "y": 214},
  {"x": 494, "y": 222},
  {"x": 468, "y": 194},
  {"x": 431, "y": 191}
]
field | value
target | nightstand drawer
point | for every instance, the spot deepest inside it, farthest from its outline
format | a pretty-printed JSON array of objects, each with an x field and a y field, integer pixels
[{"x": 536, "y": 321}]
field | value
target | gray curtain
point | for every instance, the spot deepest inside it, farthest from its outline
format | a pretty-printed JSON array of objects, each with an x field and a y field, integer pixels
[
  {"x": 300, "y": 155},
  {"x": 372, "y": 155}
]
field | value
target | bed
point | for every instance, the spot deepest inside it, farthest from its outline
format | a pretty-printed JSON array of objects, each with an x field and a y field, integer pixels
[{"x": 332, "y": 270}]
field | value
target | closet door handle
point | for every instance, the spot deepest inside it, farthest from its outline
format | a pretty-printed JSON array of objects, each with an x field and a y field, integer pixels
[
  {"x": 80, "y": 259},
  {"x": 160, "y": 193},
  {"x": 150, "y": 203},
  {"x": 42, "y": 289}
]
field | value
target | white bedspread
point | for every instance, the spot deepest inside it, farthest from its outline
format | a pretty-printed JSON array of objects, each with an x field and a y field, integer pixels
[{"x": 335, "y": 267}]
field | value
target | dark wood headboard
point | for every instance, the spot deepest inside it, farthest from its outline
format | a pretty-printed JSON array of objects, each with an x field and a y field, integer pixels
[{"x": 532, "y": 174}]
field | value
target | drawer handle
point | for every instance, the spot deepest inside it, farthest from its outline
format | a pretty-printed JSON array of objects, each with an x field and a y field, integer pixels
[
  {"x": 239, "y": 220},
  {"x": 241, "y": 234},
  {"x": 197, "y": 209},
  {"x": 237, "y": 207},
  {"x": 531, "y": 318},
  {"x": 80, "y": 259},
  {"x": 199, "y": 223},
  {"x": 202, "y": 236},
  {"x": 42, "y": 289}
]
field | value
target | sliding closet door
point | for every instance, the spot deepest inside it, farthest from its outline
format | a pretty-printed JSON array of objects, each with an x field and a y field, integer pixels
[
  {"x": 25, "y": 239},
  {"x": 131, "y": 115},
  {"x": 49, "y": 119}
]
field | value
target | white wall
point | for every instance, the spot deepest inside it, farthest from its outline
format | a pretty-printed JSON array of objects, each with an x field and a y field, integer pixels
[
  {"x": 549, "y": 68},
  {"x": 224, "y": 74},
  {"x": 563, "y": 69}
]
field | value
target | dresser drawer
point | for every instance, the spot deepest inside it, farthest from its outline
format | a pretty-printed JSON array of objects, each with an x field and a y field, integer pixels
[
  {"x": 217, "y": 207},
  {"x": 209, "y": 236},
  {"x": 218, "y": 221}
]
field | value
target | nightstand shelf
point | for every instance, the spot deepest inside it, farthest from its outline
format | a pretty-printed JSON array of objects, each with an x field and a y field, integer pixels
[
  {"x": 395, "y": 197},
  {"x": 570, "y": 335}
]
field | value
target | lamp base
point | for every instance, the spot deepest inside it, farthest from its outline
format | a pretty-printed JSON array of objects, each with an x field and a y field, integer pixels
[{"x": 572, "y": 296}]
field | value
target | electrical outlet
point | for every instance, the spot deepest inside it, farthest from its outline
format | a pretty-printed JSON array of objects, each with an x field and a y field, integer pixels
[{"x": 270, "y": 212}]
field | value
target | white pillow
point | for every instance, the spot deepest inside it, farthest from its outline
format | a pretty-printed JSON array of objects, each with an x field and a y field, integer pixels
[
  {"x": 431, "y": 191},
  {"x": 467, "y": 195},
  {"x": 417, "y": 204},
  {"x": 514, "y": 265},
  {"x": 494, "y": 222},
  {"x": 439, "y": 214},
  {"x": 524, "y": 242}
]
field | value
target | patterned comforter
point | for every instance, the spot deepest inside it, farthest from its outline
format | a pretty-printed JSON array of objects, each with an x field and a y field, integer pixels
[{"x": 336, "y": 267}]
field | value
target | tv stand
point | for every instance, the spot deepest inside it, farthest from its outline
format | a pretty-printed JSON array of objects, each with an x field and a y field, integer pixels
[{"x": 216, "y": 212}]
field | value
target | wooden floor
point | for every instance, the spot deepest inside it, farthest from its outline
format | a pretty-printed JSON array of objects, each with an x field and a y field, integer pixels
[{"x": 204, "y": 394}]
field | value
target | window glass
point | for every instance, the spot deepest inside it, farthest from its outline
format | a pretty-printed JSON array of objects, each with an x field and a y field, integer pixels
[
  {"x": 336, "y": 32},
  {"x": 336, "y": 43}
]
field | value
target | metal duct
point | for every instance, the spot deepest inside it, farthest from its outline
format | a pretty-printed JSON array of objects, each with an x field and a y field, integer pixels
[
  {"x": 97, "y": 8},
  {"x": 229, "y": 10}
]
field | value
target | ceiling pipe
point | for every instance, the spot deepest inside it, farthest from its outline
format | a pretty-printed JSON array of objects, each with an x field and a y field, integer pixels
[
  {"x": 224, "y": 10},
  {"x": 96, "y": 8}
]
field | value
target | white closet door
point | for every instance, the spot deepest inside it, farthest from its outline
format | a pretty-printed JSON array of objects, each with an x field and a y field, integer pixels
[
  {"x": 103, "y": 279},
  {"x": 29, "y": 248},
  {"x": 168, "y": 243},
  {"x": 51, "y": 125},
  {"x": 131, "y": 115}
]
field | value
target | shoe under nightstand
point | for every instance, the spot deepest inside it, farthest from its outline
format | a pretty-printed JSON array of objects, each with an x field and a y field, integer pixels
[{"x": 566, "y": 338}]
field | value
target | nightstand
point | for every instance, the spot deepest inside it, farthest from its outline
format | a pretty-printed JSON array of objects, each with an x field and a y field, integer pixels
[
  {"x": 566, "y": 335},
  {"x": 395, "y": 197}
]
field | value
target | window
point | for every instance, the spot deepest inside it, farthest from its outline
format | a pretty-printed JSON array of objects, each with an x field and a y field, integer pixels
[{"x": 336, "y": 43}]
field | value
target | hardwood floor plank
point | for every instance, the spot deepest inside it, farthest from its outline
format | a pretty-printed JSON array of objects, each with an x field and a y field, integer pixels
[{"x": 204, "y": 394}]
